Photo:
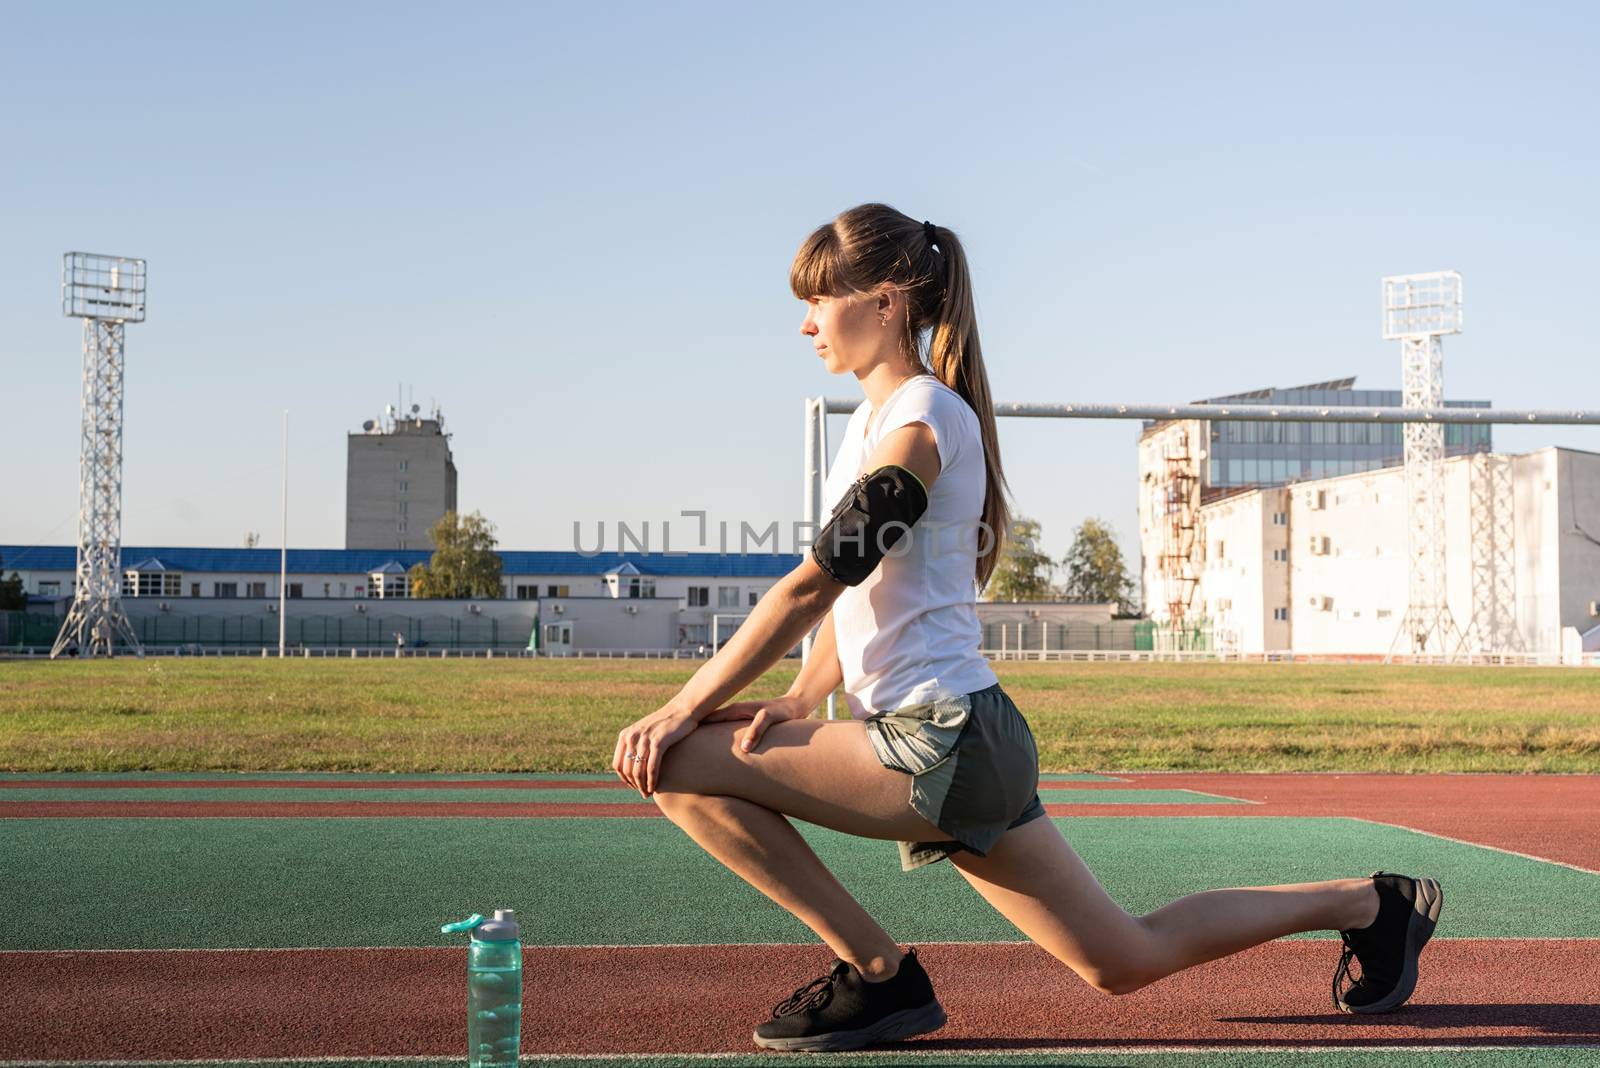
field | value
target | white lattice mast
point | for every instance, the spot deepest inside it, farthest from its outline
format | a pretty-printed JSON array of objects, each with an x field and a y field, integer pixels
[
  {"x": 106, "y": 292},
  {"x": 1418, "y": 311},
  {"x": 1493, "y": 627}
]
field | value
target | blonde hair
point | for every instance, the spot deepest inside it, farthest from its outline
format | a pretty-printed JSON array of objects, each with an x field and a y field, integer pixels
[{"x": 873, "y": 246}]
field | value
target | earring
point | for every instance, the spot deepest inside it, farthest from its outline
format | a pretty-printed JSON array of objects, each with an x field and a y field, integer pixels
[{"x": 884, "y": 321}]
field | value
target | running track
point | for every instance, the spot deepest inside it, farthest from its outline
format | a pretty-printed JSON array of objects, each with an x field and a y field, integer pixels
[{"x": 588, "y": 997}]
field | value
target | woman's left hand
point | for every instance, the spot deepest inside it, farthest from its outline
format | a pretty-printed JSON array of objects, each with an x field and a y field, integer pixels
[{"x": 647, "y": 739}]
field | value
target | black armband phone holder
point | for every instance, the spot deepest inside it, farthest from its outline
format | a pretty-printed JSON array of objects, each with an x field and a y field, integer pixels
[{"x": 871, "y": 517}]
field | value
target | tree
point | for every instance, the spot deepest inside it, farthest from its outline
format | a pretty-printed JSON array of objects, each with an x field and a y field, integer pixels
[
  {"x": 13, "y": 594},
  {"x": 1095, "y": 569},
  {"x": 1023, "y": 571},
  {"x": 464, "y": 563}
]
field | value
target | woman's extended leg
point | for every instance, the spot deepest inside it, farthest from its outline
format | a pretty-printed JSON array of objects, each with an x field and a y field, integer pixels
[
  {"x": 1038, "y": 882},
  {"x": 825, "y": 772}
]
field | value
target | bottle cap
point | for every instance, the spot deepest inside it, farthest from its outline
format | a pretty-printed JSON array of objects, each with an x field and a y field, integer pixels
[{"x": 503, "y": 928}]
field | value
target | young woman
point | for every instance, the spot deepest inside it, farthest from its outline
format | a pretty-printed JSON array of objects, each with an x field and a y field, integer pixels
[{"x": 936, "y": 757}]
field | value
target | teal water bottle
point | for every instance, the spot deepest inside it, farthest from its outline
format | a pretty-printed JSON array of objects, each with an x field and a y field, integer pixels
[{"x": 494, "y": 988}]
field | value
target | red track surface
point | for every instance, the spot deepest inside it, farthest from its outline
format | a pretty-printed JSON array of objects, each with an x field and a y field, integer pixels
[
  {"x": 398, "y": 783},
  {"x": 366, "y": 1002},
  {"x": 1549, "y": 816},
  {"x": 309, "y": 784}
]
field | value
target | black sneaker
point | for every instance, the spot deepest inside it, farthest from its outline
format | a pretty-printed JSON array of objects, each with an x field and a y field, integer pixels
[
  {"x": 841, "y": 1010},
  {"x": 1408, "y": 910}
]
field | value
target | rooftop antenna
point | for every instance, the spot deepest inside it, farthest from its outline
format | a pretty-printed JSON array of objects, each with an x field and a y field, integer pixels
[
  {"x": 1418, "y": 311},
  {"x": 106, "y": 292}
]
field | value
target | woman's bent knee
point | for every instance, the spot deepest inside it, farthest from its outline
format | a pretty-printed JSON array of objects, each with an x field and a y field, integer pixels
[{"x": 672, "y": 802}]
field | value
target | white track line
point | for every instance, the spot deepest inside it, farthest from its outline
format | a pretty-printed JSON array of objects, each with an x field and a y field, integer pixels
[
  {"x": 528, "y": 948},
  {"x": 1225, "y": 797},
  {"x": 1480, "y": 845}
]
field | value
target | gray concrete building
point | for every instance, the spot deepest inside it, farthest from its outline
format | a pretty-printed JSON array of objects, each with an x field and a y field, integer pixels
[{"x": 400, "y": 479}]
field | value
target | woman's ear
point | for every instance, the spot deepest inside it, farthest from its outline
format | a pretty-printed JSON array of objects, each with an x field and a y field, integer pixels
[{"x": 888, "y": 304}]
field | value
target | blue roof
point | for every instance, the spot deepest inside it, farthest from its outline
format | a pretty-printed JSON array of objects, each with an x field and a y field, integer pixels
[{"x": 365, "y": 561}]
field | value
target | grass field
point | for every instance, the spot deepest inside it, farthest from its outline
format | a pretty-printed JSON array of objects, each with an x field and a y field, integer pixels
[{"x": 563, "y": 715}]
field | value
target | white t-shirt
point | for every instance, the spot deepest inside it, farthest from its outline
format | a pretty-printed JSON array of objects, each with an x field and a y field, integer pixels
[{"x": 909, "y": 633}]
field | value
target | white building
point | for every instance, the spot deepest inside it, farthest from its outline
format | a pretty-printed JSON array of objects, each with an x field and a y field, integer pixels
[
  {"x": 1321, "y": 565},
  {"x": 559, "y": 602}
]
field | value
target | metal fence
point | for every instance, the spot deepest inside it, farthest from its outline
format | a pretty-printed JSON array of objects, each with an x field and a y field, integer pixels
[
  {"x": 196, "y": 633},
  {"x": 31, "y": 634},
  {"x": 1030, "y": 639}
]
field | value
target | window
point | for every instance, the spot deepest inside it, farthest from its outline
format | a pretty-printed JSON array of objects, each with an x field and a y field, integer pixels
[
  {"x": 51, "y": 588},
  {"x": 527, "y": 593},
  {"x": 641, "y": 587},
  {"x": 151, "y": 584},
  {"x": 403, "y": 507},
  {"x": 295, "y": 589},
  {"x": 693, "y": 633},
  {"x": 403, "y": 464},
  {"x": 1280, "y": 613},
  {"x": 727, "y": 597},
  {"x": 403, "y": 487},
  {"x": 256, "y": 589},
  {"x": 327, "y": 589},
  {"x": 194, "y": 589},
  {"x": 341, "y": 589},
  {"x": 224, "y": 589},
  {"x": 699, "y": 596},
  {"x": 389, "y": 584},
  {"x": 556, "y": 591},
  {"x": 755, "y": 595}
]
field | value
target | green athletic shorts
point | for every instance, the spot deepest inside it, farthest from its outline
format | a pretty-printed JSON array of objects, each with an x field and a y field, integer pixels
[{"x": 973, "y": 764}]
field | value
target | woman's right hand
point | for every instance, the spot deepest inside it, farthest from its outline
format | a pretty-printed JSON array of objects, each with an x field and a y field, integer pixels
[{"x": 761, "y": 714}]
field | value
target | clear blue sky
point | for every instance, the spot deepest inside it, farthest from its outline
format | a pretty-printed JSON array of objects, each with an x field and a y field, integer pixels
[{"x": 571, "y": 226}]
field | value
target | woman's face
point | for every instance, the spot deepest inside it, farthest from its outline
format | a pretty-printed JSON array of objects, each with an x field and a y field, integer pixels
[{"x": 848, "y": 332}]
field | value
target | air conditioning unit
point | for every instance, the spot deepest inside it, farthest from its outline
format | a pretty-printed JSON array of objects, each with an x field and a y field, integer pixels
[
  {"x": 557, "y": 609},
  {"x": 1317, "y": 500},
  {"x": 633, "y": 609},
  {"x": 1319, "y": 545}
]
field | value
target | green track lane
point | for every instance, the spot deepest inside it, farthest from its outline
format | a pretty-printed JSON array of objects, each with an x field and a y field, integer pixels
[{"x": 175, "y": 883}]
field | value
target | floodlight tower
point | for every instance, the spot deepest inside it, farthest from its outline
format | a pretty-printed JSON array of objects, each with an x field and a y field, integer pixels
[
  {"x": 106, "y": 292},
  {"x": 1418, "y": 311}
]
